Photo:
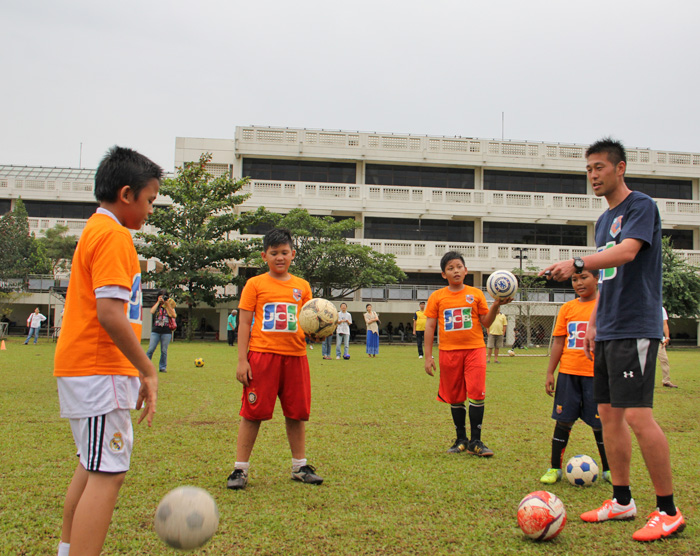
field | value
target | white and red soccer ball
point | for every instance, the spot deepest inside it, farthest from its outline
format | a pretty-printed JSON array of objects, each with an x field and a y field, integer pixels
[{"x": 541, "y": 515}]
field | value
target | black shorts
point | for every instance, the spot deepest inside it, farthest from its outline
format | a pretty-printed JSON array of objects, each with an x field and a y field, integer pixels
[
  {"x": 624, "y": 372},
  {"x": 573, "y": 400}
]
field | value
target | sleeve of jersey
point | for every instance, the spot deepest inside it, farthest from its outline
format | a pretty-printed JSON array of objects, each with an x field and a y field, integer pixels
[
  {"x": 431, "y": 308},
  {"x": 560, "y": 326},
  {"x": 482, "y": 304},
  {"x": 112, "y": 261},
  {"x": 248, "y": 297},
  {"x": 306, "y": 295},
  {"x": 639, "y": 220}
]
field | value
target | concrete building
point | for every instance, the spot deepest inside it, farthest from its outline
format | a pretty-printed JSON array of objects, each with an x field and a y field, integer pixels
[{"x": 500, "y": 203}]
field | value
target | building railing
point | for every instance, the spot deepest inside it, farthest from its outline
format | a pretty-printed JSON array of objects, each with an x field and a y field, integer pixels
[{"x": 356, "y": 140}]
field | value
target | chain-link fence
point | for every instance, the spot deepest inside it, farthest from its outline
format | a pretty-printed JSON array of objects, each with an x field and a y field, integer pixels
[{"x": 530, "y": 326}]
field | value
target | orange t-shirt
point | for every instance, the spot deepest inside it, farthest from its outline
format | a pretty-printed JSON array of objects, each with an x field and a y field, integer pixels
[
  {"x": 276, "y": 305},
  {"x": 572, "y": 322},
  {"x": 458, "y": 315},
  {"x": 105, "y": 256}
]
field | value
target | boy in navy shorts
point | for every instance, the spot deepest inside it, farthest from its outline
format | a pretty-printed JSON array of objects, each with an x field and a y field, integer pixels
[
  {"x": 573, "y": 398},
  {"x": 624, "y": 331},
  {"x": 272, "y": 359}
]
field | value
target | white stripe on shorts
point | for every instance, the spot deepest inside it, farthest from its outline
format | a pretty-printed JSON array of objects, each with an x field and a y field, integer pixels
[
  {"x": 643, "y": 352},
  {"x": 96, "y": 427}
]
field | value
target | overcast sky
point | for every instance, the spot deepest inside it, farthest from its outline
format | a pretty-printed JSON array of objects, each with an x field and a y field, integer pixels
[{"x": 140, "y": 73}]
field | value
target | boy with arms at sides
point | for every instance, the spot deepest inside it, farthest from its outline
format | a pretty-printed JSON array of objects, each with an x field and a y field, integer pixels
[
  {"x": 272, "y": 358},
  {"x": 624, "y": 332},
  {"x": 574, "y": 392},
  {"x": 460, "y": 311},
  {"x": 99, "y": 359}
]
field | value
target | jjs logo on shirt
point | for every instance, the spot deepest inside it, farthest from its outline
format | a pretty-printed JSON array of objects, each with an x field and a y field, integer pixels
[
  {"x": 279, "y": 317},
  {"x": 458, "y": 319},
  {"x": 607, "y": 273},
  {"x": 135, "y": 301},
  {"x": 577, "y": 332}
]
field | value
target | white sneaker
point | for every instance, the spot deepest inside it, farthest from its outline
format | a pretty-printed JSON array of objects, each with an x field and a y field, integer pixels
[
  {"x": 337, "y": 356},
  {"x": 420, "y": 357}
]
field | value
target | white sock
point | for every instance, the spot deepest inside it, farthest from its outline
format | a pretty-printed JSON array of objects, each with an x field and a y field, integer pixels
[
  {"x": 244, "y": 465},
  {"x": 63, "y": 549},
  {"x": 298, "y": 463}
]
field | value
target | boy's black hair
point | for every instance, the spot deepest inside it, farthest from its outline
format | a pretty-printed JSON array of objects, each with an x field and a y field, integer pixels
[
  {"x": 594, "y": 273},
  {"x": 276, "y": 237},
  {"x": 120, "y": 167},
  {"x": 614, "y": 149},
  {"x": 450, "y": 256}
]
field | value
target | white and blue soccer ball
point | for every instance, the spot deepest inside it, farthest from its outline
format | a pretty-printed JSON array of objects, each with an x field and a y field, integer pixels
[
  {"x": 582, "y": 470},
  {"x": 502, "y": 284}
]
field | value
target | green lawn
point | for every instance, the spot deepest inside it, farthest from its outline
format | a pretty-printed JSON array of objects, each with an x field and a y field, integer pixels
[{"x": 376, "y": 435}]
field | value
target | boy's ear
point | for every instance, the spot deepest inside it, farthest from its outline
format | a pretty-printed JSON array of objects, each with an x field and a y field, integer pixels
[{"x": 124, "y": 193}]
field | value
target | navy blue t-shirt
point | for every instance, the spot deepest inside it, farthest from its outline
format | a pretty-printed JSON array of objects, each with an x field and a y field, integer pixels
[{"x": 629, "y": 302}]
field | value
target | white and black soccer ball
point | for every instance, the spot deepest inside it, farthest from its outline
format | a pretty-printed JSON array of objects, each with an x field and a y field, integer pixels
[
  {"x": 511, "y": 353},
  {"x": 319, "y": 317},
  {"x": 186, "y": 518},
  {"x": 502, "y": 284},
  {"x": 582, "y": 470}
]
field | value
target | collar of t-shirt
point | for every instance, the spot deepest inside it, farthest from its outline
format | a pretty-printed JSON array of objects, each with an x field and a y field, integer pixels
[{"x": 109, "y": 213}]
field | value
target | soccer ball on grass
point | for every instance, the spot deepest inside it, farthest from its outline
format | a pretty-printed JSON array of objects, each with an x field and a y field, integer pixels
[
  {"x": 186, "y": 518},
  {"x": 318, "y": 317},
  {"x": 199, "y": 362},
  {"x": 582, "y": 471},
  {"x": 541, "y": 515}
]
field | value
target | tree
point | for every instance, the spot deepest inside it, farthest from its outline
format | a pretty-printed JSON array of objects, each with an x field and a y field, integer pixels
[
  {"x": 59, "y": 248},
  {"x": 681, "y": 284},
  {"x": 334, "y": 267},
  {"x": 17, "y": 243},
  {"x": 529, "y": 281},
  {"x": 192, "y": 238}
]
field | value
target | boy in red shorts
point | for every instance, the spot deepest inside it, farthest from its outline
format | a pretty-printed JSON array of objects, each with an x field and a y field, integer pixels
[
  {"x": 272, "y": 358},
  {"x": 573, "y": 398},
  {"x": 459, "y": 310}
]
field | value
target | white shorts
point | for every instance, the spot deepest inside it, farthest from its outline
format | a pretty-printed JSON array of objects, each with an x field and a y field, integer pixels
[{"x": 104, "y": 442}]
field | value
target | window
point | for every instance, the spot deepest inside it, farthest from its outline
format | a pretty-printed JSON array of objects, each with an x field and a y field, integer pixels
[
  {"x": 431, "y": 279},
  {"x": 299, "y": 170},
  {"x": 59, "y": 209},
  {"x": 263, "y": 227},
  {"x": 408, "y": 229},
  {"x": 419, "y": 176},
  {"x": 662, "y": 188},
  {"x": 535, "y": 182},
  {"x": 534, "y": 234},
  {"x": 5, "y": 206},
  {"x": 680, "y": 239}
]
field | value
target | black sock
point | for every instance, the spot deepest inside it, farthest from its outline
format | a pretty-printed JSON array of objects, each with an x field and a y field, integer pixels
[
  {"x": 559, "y": 442},
  {"x": 622, "y": 494},
  {"x": 459, "y": 417},
  {"x": 476, "y": 417},
  {"x": 666, "y": 504},
  {"x": 601, "y": 449}
]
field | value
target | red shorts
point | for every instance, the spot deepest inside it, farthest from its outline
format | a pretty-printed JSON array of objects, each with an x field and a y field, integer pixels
[
  {"x": 286, "y": 376},
  {"x": 462, "y": 375}
]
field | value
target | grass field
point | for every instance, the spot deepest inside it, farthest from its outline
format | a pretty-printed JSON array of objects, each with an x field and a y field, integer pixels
[{"x": 376, "y": 435}]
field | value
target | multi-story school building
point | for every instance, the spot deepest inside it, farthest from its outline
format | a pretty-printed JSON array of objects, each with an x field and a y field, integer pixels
[{"x": 502, "y": 204}]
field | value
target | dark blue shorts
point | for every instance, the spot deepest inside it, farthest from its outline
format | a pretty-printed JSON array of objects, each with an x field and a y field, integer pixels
[
  {"x": 573, "y": 400},
  {"x": 624, "y": 372}
]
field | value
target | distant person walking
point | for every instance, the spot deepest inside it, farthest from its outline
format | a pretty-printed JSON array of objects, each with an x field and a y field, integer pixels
[
  {"x": 372, "y": 322},
  {"x": 231, "y": 327},
  {"x": 663, "y": 356},
  {"x": 419, "y": 319},
  {"x": 34, "y": 323},
  {"x": 497, "y": 334}
]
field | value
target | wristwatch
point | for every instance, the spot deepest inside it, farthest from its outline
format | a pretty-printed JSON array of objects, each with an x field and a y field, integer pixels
[{"x": 578, "y": 265}]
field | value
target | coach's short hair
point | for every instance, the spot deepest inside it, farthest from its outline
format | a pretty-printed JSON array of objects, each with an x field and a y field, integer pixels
[
  {"x": 613, "y": 148},
  {"x": 120, "y": 167}
]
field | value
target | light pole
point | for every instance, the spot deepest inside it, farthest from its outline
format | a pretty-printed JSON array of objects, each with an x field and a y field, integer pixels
[{"x": 521, "y": 255}]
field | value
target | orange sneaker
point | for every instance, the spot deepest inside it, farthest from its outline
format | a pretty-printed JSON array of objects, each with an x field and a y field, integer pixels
[
  {"x": 611, "y": 510},
  {"x": 659, "y": 526}
]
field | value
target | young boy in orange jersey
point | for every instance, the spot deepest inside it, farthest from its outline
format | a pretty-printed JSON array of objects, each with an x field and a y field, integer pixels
[
  {"x": 99, "y": 359},
  {"x": 272, "y": 358},
  {"x": 574, "y": 392},
  {"x": 459, "y": 309}
]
